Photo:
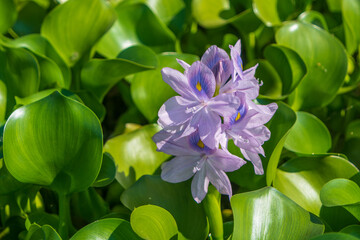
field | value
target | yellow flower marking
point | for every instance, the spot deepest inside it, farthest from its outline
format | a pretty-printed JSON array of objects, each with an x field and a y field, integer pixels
[
  {"x": 200, "y": 144},
  {"x": 238, "y": 116},
  {"x": 198, "y": 86}
]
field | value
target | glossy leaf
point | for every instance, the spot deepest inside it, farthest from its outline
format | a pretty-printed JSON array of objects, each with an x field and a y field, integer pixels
[
  {"x": 106, "y": 229},
  {"x": 135, "y": 154},
  {"x": 175, "y": 198},
  {"x": 268, "y": 214},
  {"x": 309, "y": 135},
  {"x": 301, "y": 179},
  {"x": 107, "y": 172},
  {"x": 41, "y": 47},
  {"x": 207, "y": 12},
  {"x": 314, "y": 46},
  {"x": 3, "y": 97},
  {"x": 351, "y": 16},
  {"x": 136, "y": 25},
  {"x": 153, "y": 223},
  {"x": 66, "y": 137},
  {"x": 272, "y": 84},
  {"x": 75, "y": 26},
  {"x": 20, "y": 70},
  {"x": 342, "y": 192},
  {"x": 8, "y": 15},
  {"x": 288, "y": 65},
  {"x": 273, "y": 12},
  {"x": 99, "y": 75},
  {"x": 353, "y": 230},
  {"x": 149, "y": 91},
  {"x": 314, "y": 17}
]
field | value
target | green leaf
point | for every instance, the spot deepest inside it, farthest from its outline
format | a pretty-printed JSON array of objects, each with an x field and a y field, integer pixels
[
  {"x": 274, "y": 12},
  {"x": 353, "y": 230},
  {"x": 288, "y": 65},
  {"x": 135, "y": 154},
  {"x": 99, "y": 75},
  {"x": 149, "y": 91},
  {"x": 107, "y": 172},
  {"x": 339, "y": 192},
  {"x": 324, "y": 57},
  {"x": 175, "y": 198},
  {"x": 301, "y": 179},
  {"x": 351, "y": 16},
  {"x": 342, "y": 192},
  {"x": 153, "y": 223},
  {"x": 3, "y": 102},
  {"x": 8, "y": 15},
  {"x": 309, "y": 135},
  {"x": 136, "y": 25},
  {"x": 75, "y": 26},
  {"x": 106, "y": 229},
  {"x": 20, "y": 71},
  {"x": 8, "y": 184},
  {"x": 42, "y": 218},
  {"x": 66, "y": 138},
  {"x": 207, "y": 12},
  {"x": 335, "y": 236},
  {"x": 314, "y": 17},
  {"x": 268, "y": 214},
  {"x": 45, "y": 232}
]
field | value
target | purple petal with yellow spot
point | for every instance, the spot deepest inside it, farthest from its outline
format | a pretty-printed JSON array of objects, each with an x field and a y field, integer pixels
[
  {"x": 177, "y": 81},
  {"x": 201, "y": 80}
]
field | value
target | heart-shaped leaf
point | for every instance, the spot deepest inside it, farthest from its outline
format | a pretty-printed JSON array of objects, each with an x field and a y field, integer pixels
[
  {"x": 149, "y": 91},
  {"x": 153, "y": 223},
  {"x": 65, "y": 138},
  {"x": 135, "y": 154},
  {"x": 301, "y": 179},
  {"x": 107, "y": 172},
  {"x": 106, "y": 229},
  {"x": 268, "y": 214},
  {"x": 207, "y": 12},
  {"x": 175, "y": 198},
  {"x": 309, "y": 135},
  {"x": 314, "y": 17},
  {"x": 325, "y": 59},
  {"x": 136, "y": 25},
  {"x": 75, "y": 26}
]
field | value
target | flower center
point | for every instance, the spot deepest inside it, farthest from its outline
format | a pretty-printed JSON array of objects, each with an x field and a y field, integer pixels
[
  {"x": 238, "y": 116},
  {"x": 200, "y": 144},
  {"x": 198, "y": 86}
]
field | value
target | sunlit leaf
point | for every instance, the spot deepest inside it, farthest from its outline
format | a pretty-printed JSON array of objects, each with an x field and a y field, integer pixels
[
  {"x": 207, "y": 12},
  {"x": 8, "y": 15},
  {"x": 267, "y": 212},
  {"x": 309, "y": 135},
  {"x": 314, "y": 17},
  {"x": 351, "y": 16},
  {"x": 153, "y": 223}
]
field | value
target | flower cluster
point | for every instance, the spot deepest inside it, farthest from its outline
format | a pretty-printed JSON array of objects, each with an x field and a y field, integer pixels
[{"x": 214, "y": 106}]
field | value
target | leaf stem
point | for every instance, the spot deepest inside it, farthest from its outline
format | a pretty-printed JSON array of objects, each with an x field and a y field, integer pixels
[
  {"x": 65, "y": 223},
  {"x": 212, "y": 209}
]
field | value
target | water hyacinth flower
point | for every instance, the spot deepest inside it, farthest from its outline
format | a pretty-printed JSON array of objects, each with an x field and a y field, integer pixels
[
  {"x": 215, "y": 105},
  {"x": 194, "y": 158}
]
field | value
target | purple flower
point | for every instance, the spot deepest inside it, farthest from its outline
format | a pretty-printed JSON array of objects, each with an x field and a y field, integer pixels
[
  {"x": 246, "y": 128},
  {"x": 194, "y": 158},
  {"x": 196, "y": 108}
]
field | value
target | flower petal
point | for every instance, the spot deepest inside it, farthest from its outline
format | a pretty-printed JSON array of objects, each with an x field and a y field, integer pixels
[
  {"x": 199, "y": 185},
  {"x": 179, "y": 169},
  {"x": 225, "y": 161},
  {"x": 174, "y": 111},
  {"x": 235, "y": 52},
  {"x": 177, "y": 81},
  {"x": 209, "y": 127},
  {"x": 201, "y": 80},
  {"x": 213, "y": 55},
  {"x": 184, "y": 64},
  {"x": 263, "y": 113},
  {"x": 222, "y": 71},
  {"x": 255, "y": 159},
  {"x": 249, "y": 87},
  {"x": 219, "y": 179},
  {"x": 224, "y": 104}
]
